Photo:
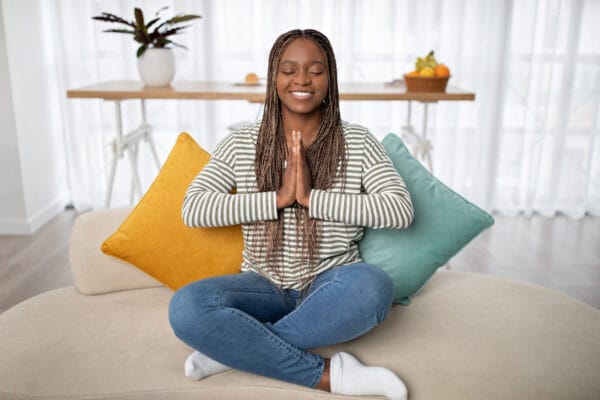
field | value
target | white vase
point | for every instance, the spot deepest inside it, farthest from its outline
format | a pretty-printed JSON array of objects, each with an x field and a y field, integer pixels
[{"x": 156, "y": 67}]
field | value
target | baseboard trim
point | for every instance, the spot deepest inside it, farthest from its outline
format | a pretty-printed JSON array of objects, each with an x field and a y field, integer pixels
[{"x": 37, "y": 220}]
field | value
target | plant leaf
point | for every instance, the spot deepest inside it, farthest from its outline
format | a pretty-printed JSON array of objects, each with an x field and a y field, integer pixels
[
  {"x": 160, "y": 26},
  {"x": 142, "y": 33},
  {"x": 162, "y": 9},
  {"x": 182, "y": 18},
  {"x": 161, "y": 42},
  {"x": 156, "y": 34},
  {"x": 138, "y": 37},
  {"x": 120, "y": 31},
  {"x": 141, "y": 50},
  {"x": 173, "y": 31},
  {"x": 151, "y": 22},
  {"x": 107, "y": 17},
  {"x": 139, "y": 18}
]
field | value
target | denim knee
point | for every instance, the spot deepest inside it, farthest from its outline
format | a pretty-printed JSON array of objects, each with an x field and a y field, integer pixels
[
  {"x": 186, "y": 305},
  {"x": 374, "y": 288}
]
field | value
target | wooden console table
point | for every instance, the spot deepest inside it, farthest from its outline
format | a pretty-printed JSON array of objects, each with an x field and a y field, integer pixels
[{"x": 118, "y": 91}]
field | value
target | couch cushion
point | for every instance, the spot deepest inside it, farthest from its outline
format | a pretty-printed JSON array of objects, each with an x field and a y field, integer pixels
[
  {"x": 444, "y": 223},
  {"x": 465, "y": 336},
  {"x": 95, "y": 272},
  {"x": 154, "y": 238}
]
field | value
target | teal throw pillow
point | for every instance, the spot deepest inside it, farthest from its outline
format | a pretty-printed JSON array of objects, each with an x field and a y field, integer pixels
[{"x": 444, "y": 223}]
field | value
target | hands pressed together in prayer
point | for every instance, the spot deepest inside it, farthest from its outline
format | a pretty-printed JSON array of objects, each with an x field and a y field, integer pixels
[{"x": 296, "y": 182}]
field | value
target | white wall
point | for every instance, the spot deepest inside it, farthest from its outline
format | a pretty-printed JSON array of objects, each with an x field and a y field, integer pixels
[
  {"x": 32, "y": 168},
  {"x": 12, "y": 203}
]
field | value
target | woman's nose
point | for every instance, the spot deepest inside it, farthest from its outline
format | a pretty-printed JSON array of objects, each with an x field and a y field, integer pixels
[{"x": 303, "y": 78}]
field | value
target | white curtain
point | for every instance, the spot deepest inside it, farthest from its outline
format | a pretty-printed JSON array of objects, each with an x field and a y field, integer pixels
[{"x": 529, "y": 143}]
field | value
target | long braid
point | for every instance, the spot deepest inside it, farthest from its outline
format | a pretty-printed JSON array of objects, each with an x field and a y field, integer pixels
[{"x": 326, "y": 157}]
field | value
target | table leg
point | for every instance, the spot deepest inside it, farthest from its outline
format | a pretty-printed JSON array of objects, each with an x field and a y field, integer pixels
[
  {"x": 111, "y": 177},
  {"x": 148, "y": 135},
  {"x": 136, "y": 183},
  {"x": 117, "y": 152},
  {"x": 420, "y": 144},
  {"x": 425, "y": 143},
  {"x": 129, "y": 143}
]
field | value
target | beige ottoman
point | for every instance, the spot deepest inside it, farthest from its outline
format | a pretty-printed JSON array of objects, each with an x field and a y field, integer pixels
[{"x": 465, "y": 336}]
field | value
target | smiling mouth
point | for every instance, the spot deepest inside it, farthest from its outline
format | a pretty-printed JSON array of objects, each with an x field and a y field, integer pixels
[{"x": 301, "y": 94}]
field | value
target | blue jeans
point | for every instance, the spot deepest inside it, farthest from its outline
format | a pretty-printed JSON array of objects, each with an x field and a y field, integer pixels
[{"x": 246, "y": 322}]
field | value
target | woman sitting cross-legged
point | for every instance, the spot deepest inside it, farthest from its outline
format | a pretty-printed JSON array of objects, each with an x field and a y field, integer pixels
[{"x": 306, "y": 183}]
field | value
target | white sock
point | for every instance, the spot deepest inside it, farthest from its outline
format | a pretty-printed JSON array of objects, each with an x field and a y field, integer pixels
[
  {"x": 350, "y": 377},
  {"x": 199, "y": 366}
]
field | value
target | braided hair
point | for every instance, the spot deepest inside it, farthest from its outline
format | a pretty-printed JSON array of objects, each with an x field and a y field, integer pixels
[{"x": 326, "y": 156}]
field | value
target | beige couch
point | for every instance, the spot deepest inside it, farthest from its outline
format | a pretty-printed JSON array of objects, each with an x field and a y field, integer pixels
[{"x": 465, "y": 336}]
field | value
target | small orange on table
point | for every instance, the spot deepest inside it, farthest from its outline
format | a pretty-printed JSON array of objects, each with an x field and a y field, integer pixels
[
  {"x": 251, "y": 78},
  {"x": 441, "y": 70}
]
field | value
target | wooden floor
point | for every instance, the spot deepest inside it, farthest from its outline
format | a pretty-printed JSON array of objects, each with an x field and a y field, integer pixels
[
  {"x": 559, "y": 253},
  {"x": 32, "y": 264}
]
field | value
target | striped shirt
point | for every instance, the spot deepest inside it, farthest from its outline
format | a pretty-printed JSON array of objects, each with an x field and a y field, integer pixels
[{"x": 373, "y": 194}]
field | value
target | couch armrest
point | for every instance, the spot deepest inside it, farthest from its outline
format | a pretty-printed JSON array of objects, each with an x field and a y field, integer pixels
[{"x": 95, "y": 272}]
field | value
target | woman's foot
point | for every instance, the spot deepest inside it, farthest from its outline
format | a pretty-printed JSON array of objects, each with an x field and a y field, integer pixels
[
  {"x": 350, "y": 377},
  {"x": 198, "y": 366}
]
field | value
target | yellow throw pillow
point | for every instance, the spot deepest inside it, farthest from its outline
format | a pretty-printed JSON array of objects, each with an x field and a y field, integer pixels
[{"x": 154, "y": 239}]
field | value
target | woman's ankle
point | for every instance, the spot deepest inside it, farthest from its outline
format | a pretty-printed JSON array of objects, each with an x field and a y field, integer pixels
[{"x": 324, "y": 383}]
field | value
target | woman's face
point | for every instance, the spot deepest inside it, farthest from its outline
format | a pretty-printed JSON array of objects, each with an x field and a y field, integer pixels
[{"x": 302, "y": 78}]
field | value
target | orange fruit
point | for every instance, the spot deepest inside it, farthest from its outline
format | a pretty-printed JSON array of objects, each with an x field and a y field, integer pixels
[
  {"x": 441, "y": 71},
  {"x": 251, "y": 78},
  {"x": 427, "y": 72},
  {"x": 413, "y": 73}
]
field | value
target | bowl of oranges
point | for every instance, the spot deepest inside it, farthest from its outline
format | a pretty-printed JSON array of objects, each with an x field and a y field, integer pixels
[{"x": 428, "y": 75}]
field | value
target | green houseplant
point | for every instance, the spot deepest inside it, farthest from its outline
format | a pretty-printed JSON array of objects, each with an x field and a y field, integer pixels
[
  {"x": 156, "y": 62},
  {"x": 155, "y": 33}
]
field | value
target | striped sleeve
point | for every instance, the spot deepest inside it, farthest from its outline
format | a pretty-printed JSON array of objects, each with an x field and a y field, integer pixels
[
  {"x": 385, "y": 202},
  {"x": 209, "y": 202}
]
